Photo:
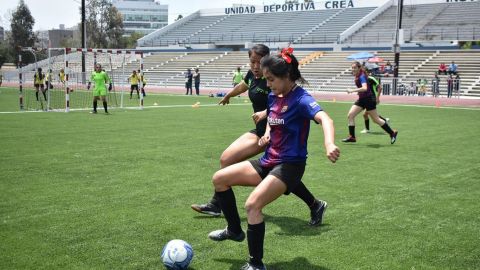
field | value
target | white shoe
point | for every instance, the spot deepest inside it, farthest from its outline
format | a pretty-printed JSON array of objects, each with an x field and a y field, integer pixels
[{"x": 365, "y": 131}]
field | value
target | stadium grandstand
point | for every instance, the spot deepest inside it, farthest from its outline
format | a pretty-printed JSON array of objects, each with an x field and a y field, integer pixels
[{"x": 323, "y": 34}]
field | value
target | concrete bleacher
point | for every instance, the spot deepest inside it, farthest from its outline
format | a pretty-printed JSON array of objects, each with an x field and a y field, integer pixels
[
  {"x": 454, "y": 22},
  {"x": 329, "y": 31}
]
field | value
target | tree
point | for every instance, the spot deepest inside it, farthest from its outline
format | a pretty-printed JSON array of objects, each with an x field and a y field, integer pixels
[
  {"x": 104, "y": 24},
  {"x": 131, "y": 41},
  {"x": 22, "y": 33}
]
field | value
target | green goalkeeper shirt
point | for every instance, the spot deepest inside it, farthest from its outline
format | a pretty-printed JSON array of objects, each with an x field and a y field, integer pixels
[{"x": 100, "y": 79}]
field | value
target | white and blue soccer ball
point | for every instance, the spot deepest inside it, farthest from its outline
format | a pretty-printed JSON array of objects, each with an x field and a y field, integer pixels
[{"x": 177, "y": 255}]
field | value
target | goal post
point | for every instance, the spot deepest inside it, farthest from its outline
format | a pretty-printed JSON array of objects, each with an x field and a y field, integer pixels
[{"x": 70, "y": 93}]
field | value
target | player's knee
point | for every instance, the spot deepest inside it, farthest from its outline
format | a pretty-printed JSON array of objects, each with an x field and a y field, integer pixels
[
  {"x": 218, "y": 180},
  {"x": 253, "y": 208},
  {"x": 225, "y": 159}
]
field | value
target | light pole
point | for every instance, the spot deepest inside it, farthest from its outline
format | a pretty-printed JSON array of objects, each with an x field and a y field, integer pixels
[{"x": 396, "y": 46}]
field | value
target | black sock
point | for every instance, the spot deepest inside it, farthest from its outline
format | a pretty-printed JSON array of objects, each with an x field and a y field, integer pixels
[
  {"x": 367, "y": 124},
  {"x": 214, "y": 200},
  {"x": 45, "y": 95},
  {"x": 95, "y": 106},
  {"x": 351, "y": 130},
  {"x": 105, "y": 106},
  {"x": 381, "y": 117},
  {"x": 36, "y": 95},
  {"x": 228, "y": 204},
  {"x": 303, "y": 193},
  {"x": 387, "y": 128},
  {"x": 255, "y": 237}
]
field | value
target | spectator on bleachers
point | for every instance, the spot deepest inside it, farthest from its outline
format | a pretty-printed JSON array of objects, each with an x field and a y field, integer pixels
[
  {"x": 442, "y": 69},
  {"x": 237, "y": 77},
  {"x": 196, "y": 77},
  {"x": 435, "y": 85},
  {"x": 423, "y": 87},
  {"x": 388, "y": 69},
  {"x": 188, "y": 82},
  {"x": 449, "y": 86},
  {"x": 452, "y": 68},
  {"x": 456, "y": 85}
]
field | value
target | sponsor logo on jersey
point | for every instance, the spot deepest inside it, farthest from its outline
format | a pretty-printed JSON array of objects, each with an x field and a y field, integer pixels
[
  {"x": 275, "y": 121},
  {"x": 314, "y": 104},
  {"x": 284, "y": 109}
]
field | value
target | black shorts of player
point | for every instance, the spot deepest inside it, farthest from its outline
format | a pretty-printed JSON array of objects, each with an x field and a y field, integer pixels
[
  {"x": 289, "y": 173},
  {"x": 368, "y": 103},
  {"x": 260, "y": 128},
  {"x": 39, "y": 85},
  {"x": 134, "y": 87}
]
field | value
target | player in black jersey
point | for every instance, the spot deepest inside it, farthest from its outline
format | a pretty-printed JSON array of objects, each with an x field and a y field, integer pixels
[{"x": 246, "y": 146}]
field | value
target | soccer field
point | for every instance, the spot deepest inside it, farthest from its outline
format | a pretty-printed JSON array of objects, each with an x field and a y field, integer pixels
[{"x": 83, "y": 191}]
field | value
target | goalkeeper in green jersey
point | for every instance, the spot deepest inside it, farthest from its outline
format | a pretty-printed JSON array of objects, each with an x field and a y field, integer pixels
[{"x": 100, "y": 79}]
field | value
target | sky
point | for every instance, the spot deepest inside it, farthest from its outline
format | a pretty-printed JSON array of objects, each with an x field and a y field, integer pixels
[{"x": 49, "y": 14}]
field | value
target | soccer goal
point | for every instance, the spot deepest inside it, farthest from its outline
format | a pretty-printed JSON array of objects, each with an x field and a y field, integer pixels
[{"x": 65, "y": 85}]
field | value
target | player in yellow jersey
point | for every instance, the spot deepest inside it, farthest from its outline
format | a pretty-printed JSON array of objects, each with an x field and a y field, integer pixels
[
  {"x": 99, "y": 78},
  {"x": 38, "y": 80},
  {"x": 134, "y": 79},
  {"x": 61, "y": 77},
  {"x": 143, "y": 80}
]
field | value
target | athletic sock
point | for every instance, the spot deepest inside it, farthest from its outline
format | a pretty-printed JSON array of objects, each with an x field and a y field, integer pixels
[
  {"x": 303, "y": 193},
  {"x": 105, "y": 106},
  {"x": 255, "y": 237},
  {"x": 36, "y": 95},
  {"x": 95, "y": 106},
  {"x": 214, "y": 200},
  {"x": 44, "y": 95},
  {"x": 367, "y": 124},
  {"x": 351, "y": 130},
  {"x": 228, "y": 204},
  {"x": 387, "y": 128}
]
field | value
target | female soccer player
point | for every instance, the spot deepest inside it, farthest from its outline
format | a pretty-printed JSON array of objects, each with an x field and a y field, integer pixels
[
  {"x": 38, "y": 80},
  {"x": 99, "y": 78},
  {"x": 246, "y": 146},
  {"x": 377, "y": 90},
  {"x": 134, "y": 79},
  {"x": 280, "y": 170},
  {"x": 366, "y": 101}
]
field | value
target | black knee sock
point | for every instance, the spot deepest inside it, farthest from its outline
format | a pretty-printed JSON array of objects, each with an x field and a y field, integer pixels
[
  {"x": 381, "y": 117},
  {"x": 131, "y": 93},
  {"x": 95, "y": 106},
  {"x": 105, "y": 106},
  {"x": 228, "y": 204},
  {"x": 255, "y": 237},
  {"x": 367, "y": 124},
  {"x": 214, "y": 200},
  {"x": 303, "y": 193},
  {"x": 44, "y": 95},
  {"x": 36, "y": 95},
  {"x": 387, "y": 128},
  {"x": 351, "y": 130}
]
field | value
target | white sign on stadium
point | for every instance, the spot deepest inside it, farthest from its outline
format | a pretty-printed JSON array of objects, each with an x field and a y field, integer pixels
[{"x": 321, "y": 5}]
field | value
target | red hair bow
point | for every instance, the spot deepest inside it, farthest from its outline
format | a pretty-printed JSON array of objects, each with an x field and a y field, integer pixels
[{"x": 286, "y": 53}]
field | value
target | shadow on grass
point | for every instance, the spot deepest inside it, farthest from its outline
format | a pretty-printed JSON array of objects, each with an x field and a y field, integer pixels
[
  {"x": 294, "y": 226},
  {"x": 295, "y": 264}
]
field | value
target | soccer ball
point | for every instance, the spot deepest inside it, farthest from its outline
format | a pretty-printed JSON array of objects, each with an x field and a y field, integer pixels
[{"x": 177, "y": 255}]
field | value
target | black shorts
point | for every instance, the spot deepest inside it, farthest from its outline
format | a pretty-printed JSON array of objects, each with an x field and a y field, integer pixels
[
  {"x": 134, "y": 87},
  {"x": 289, "y": 173},
  {"x": 260, "y": 128},
  {"x": 367, "y": 103},
  {"x": 39, "y": 85}
]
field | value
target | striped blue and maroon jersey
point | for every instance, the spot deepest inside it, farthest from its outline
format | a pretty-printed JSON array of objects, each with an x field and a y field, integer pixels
[{"x": 289, "y": 119}]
